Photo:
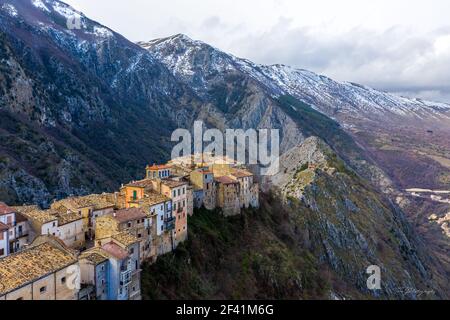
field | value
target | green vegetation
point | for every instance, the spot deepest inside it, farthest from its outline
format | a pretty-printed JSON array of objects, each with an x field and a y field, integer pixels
[{"x": 258, "y": 255}]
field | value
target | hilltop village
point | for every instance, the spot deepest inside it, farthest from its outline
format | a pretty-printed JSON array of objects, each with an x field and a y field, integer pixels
[{"x": 92, "y": 247}]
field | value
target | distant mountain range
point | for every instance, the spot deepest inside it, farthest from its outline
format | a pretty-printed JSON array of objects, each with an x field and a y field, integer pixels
[{"x": 83, "y": 110}]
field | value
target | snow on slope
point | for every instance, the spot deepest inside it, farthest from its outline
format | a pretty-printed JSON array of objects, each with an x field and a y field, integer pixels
[{"x": 195, "y": 61}]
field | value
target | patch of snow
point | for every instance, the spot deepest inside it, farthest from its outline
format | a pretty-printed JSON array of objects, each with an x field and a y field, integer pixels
[
  {"x": 69, "y": 13},
  {"x": 39, "y": 4},
  {"x": 10, "y": 9},
  {"x": 102, "y": 32}
]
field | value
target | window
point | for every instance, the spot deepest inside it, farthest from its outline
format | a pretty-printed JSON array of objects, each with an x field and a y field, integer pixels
[
  {"x": 63, "y": 280},
  {"x": 131, "y": 250},
  {"x": 43, "y": 289},
  {"x": 139, "y": 235},
  {"x": 162, "y": 218},
  {"x": 2, "y": 252},
  {"x": 134, "y": 195},
  {"x": 184, "y": 190},
  {"x": 129, "y": 224},
  {"x": 174, "y": 193},
  {"x": 162, "y": 228},
  {"x": 54, "y": 224},
  {"x": 179, "y": 192}
]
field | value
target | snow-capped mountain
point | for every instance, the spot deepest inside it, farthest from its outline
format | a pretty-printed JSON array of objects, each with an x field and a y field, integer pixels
[
  {"x": 83, "y": 109},
  {"x": 196, "y": 62}
]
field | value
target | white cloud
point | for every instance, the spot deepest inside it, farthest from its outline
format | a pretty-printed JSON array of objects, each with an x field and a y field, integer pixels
[{"x": 401, "y": 45}]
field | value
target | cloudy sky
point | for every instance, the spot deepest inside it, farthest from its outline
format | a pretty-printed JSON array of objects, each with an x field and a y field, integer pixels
[{"x": 400, "y": 46}]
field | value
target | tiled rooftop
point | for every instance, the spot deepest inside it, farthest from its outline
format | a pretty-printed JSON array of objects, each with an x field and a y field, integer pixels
[
  {"x": 125, "y": 238},
  {"x": 115, "y": 250},
  {"x": 146, "y": 183},
  {"x": 38, "y": 215},
  {"x": 96, "y": 201},
  {"x": 5, "y": 209},
  {"x": 241, "y": 173},
  {"x": 153, "y": 197},
  {"x": 31, "y": 264},
  {"x": 158, "y": 167},
  {"x": 225, "y": 180},
  {"x": 94, "y": 255},
  {"x": 173, "y": 183},
  {"x": 131, "y": 214},
  {"x": 67, "y": 217}
]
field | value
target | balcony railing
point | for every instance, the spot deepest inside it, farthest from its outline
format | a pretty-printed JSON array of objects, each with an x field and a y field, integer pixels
[
  {"x": 170, "y": 223},
  {"x": 125, "y": 277}
]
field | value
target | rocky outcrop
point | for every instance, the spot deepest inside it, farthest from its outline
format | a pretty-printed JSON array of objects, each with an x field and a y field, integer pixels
[{"x": 351, "y": 226}]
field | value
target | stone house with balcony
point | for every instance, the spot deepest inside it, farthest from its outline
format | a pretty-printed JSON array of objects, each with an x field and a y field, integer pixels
[
  {"x": 14, "y": 229},
  {"x": 162, "y": 222},
  {"x": 177, "y": 191},
  {"x": 125, "y": 264}
]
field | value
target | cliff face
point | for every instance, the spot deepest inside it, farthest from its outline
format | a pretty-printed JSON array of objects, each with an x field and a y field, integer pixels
[{"x": 315, "y": 239}]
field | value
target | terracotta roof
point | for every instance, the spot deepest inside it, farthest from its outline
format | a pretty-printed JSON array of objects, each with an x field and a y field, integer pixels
[
  {"x": 67, "y": 217},
  {"x": 226, "y": 180},
  {"x": 152, "y": 197},
  {"x": 173, "y": 183},
  {"x": 31, "y": 264},
  {"x": 240, "y": 173},
  {"x": 130, "y": 214},
  {"x": 115, "y": 250},
  {"x": 3, "y": 227},
  {"x": 24, "y": 209},
  {"x": 5, "y": 209},
  {"x": 146, "y": 183},
  {"x": 96, "y": 201},
  {"x": 94, "y": 255},
  {"x": 125, "y": 238},
  {"x": 158, "y": 167},
  {"x": 38, "y": 215}
]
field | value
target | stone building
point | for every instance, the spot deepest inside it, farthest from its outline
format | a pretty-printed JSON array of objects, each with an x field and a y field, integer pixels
[
  {"x": 65, "y": 225},
  {"x": 90, "y": 207},
  {"x": 46, "y": 270},
  {"x": 228, "y": 195},
  {"x": 14, "y": 228}
]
